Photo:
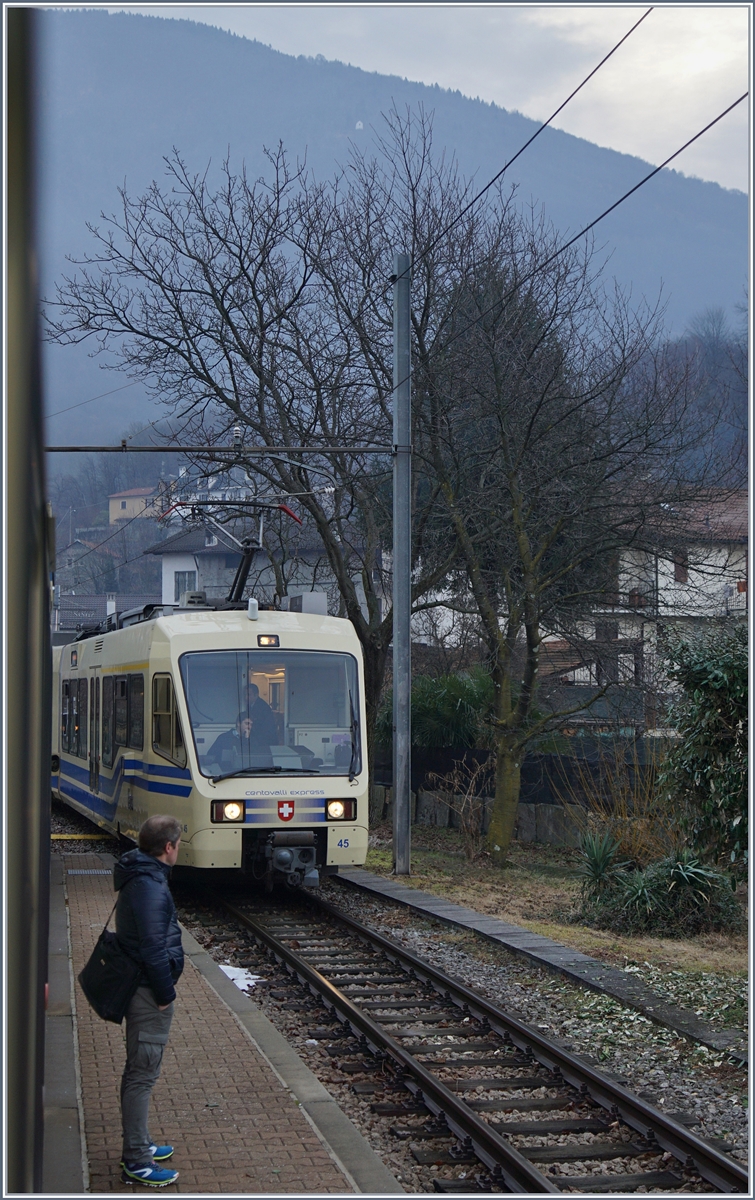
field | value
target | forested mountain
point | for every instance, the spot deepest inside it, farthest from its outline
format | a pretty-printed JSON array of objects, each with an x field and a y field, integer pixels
[{"x": 119, "y": 91}]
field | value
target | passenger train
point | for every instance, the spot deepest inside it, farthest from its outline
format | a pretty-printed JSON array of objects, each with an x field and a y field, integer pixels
[{"x": 244, "y": 723}]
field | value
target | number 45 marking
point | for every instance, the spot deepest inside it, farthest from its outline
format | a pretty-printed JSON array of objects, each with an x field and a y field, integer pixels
[{"x": 344, "y": 843}]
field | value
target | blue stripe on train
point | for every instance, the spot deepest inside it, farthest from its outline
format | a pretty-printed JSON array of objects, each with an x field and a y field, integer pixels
[{"x": 106, "y": 802}]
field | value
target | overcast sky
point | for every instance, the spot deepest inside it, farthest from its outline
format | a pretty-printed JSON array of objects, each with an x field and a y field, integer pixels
[{"x": 678, "y": 70}]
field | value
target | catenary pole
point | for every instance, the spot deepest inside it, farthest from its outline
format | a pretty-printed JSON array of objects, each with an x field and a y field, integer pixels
[{"x": 402, "y": 532}]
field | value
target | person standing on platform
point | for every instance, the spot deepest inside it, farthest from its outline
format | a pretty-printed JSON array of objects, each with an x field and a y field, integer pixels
[{"x": 147, "y": 928}]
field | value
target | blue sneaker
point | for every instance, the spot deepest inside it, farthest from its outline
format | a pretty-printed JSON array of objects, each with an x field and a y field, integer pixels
[
  {"x": 148, "y": 1174},
  {"x": 159, "y": 1153}
]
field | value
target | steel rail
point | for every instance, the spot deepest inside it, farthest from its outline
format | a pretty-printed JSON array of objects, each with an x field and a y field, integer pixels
[
  {"x": 511, "y": 1167},
  {"x": 716, "y": 1168}
]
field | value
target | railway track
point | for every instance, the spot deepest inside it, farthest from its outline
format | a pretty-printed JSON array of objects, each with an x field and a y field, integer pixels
[{"x": 468, "y": 1083}]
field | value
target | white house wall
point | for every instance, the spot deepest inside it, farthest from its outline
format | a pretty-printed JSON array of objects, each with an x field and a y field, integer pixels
[{"x": 171, "y": 564}]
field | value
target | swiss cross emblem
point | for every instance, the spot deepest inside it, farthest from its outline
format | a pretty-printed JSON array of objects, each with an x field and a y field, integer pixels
[{"x": 285, "y": 809}]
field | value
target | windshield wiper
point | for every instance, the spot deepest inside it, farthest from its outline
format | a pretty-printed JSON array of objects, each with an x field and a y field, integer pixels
[
  {"x": 354, "y": 739},
  {"x": 265, "y": 771}
]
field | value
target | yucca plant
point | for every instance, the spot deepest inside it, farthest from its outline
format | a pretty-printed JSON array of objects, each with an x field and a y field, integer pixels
[
  {"x": 599, "y": 868},
  {"x": 675, "y": 897},
  {"x": 689, "y": 873}
]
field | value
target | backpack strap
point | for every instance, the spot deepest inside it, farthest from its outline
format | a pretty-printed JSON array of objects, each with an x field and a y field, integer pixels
[{"x": 111, "y": 916}]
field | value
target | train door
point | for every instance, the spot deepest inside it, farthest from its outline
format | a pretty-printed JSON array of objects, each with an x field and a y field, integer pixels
[{"x": 94, "y": 732}]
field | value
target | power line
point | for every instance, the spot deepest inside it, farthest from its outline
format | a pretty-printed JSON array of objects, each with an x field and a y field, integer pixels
[
  {"x": 592, "y": 224},
  {"x": 236, "y": 452},
  {"x": 120, "y": 529},
  {"x": 530, "y": 140},
  {"x": 91, "y": 399}
]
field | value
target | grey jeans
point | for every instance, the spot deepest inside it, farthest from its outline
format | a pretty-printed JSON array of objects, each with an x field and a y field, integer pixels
[{"x": 147, "y": 1030}]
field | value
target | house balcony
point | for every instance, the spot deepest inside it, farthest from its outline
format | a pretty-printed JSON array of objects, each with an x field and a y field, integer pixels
[
  {"x": 638, "y": 599},
  {"x": 735, "y": 599}
]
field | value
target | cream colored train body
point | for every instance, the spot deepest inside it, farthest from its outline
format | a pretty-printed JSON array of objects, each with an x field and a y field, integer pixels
[{"x": 250, "y": 732}]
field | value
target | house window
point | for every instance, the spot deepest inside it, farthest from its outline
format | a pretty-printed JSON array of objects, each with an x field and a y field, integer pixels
[
  {"x": 183, "y": 581},
  {"x": 681, "y": 568},
  {"x": 123, "y": 503}
]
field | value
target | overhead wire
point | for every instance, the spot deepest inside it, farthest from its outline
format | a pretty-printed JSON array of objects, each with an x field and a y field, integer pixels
[
  {"x": 546, "y": 262},
  {"x": 120, "y": 529},
  {"x": 91, "y": 399},
  {"x": 439, "y": 237}
]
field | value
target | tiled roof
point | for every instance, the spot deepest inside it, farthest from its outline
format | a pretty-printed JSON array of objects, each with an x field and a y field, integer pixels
[
  {"x": 192, "y": 541},
  {"x": 721, "y": 516},
  {"x": 142, "y": 491}
]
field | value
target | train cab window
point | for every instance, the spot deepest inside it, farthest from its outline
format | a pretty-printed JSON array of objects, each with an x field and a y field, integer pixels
[
  {"x": 83, "y": 718},
  {"x": 108, "y": 746},
  {"x": 120, "y": 694},
  {"x": 167, "y": 736},
  {"x": 65, "y": 716},
  {"x": 136, "y": 712},
  {"x": 261, "y": 711}
]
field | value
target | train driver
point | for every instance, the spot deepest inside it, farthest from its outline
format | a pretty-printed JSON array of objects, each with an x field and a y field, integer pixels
[
  {"x": 264, "y": 729},
  {"x": 232, "y": 749}
]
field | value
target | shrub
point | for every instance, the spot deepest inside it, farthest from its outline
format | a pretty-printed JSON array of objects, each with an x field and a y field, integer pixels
[
  {"x": 598, "y": 869},
  {"x": 707, "y": 768},
  {"x": 678, "y": 896},
  {"x": 461, "y": 789},
  {"x": 450, "y": 710},
  {"x": 616, "y": 793}
]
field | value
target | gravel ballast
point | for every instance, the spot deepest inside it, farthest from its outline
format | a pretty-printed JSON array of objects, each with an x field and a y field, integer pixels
[{"x": 669, "y": 1071}]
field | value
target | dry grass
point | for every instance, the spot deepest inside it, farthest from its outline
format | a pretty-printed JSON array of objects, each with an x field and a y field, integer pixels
[{"x": 536, "y": 890}]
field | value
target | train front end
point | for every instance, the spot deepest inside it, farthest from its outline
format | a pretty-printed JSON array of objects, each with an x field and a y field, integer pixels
[{"x": 273, "y": 710}]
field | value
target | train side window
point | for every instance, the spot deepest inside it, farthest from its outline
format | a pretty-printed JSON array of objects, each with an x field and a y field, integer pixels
[
  {"x": 179, "y": 750},
  {"x": 83, "y": 717},
  {"x": 120, "y": 685},
  {"x": 73, "y": 718},
  {"x": 65, "y": 716},
  {"x": 167, "y": 736},
  {"x": 107, "y": 721},
  {"x": 136, "y": 712}
]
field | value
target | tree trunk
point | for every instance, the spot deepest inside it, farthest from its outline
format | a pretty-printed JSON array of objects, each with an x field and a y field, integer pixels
[
  {"x": 375, "y": 654},
  {"x": 508, "y": 772}
]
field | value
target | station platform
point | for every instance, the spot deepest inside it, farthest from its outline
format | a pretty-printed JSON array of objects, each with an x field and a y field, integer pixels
[{"x": 244, "y": 1112}]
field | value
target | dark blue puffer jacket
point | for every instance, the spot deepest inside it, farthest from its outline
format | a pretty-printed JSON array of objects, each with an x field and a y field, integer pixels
[{"x": 146, "y": 921}]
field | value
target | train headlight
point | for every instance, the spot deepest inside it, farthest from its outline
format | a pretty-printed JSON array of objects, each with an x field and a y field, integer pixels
[
  {"x": 228, "y": 810},
  {"x": 341, "y": 810}
]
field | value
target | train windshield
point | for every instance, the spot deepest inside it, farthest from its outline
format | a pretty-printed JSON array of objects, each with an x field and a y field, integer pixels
[{"x": 273, "y": 711}]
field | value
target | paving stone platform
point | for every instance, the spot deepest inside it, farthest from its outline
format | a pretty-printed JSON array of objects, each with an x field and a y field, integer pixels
[
  {"x": 244, "y": 1112},
  {"x": 544, "y": 952}
]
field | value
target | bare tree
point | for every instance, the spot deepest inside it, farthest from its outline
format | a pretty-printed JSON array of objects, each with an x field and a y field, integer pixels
[
  {"x": 561, "y": 431},
  {"x": 236, "y": 306},
  {"x": 548, "y": 425}
]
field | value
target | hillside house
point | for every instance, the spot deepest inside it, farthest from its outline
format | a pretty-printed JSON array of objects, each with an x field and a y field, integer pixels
[
  {"x": 135, "y": 502},
  {"x": 703, "y": 578}
]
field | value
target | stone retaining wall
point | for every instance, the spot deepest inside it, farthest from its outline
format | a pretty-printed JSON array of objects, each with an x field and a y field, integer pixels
[{"x": 549, "y": 824}]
